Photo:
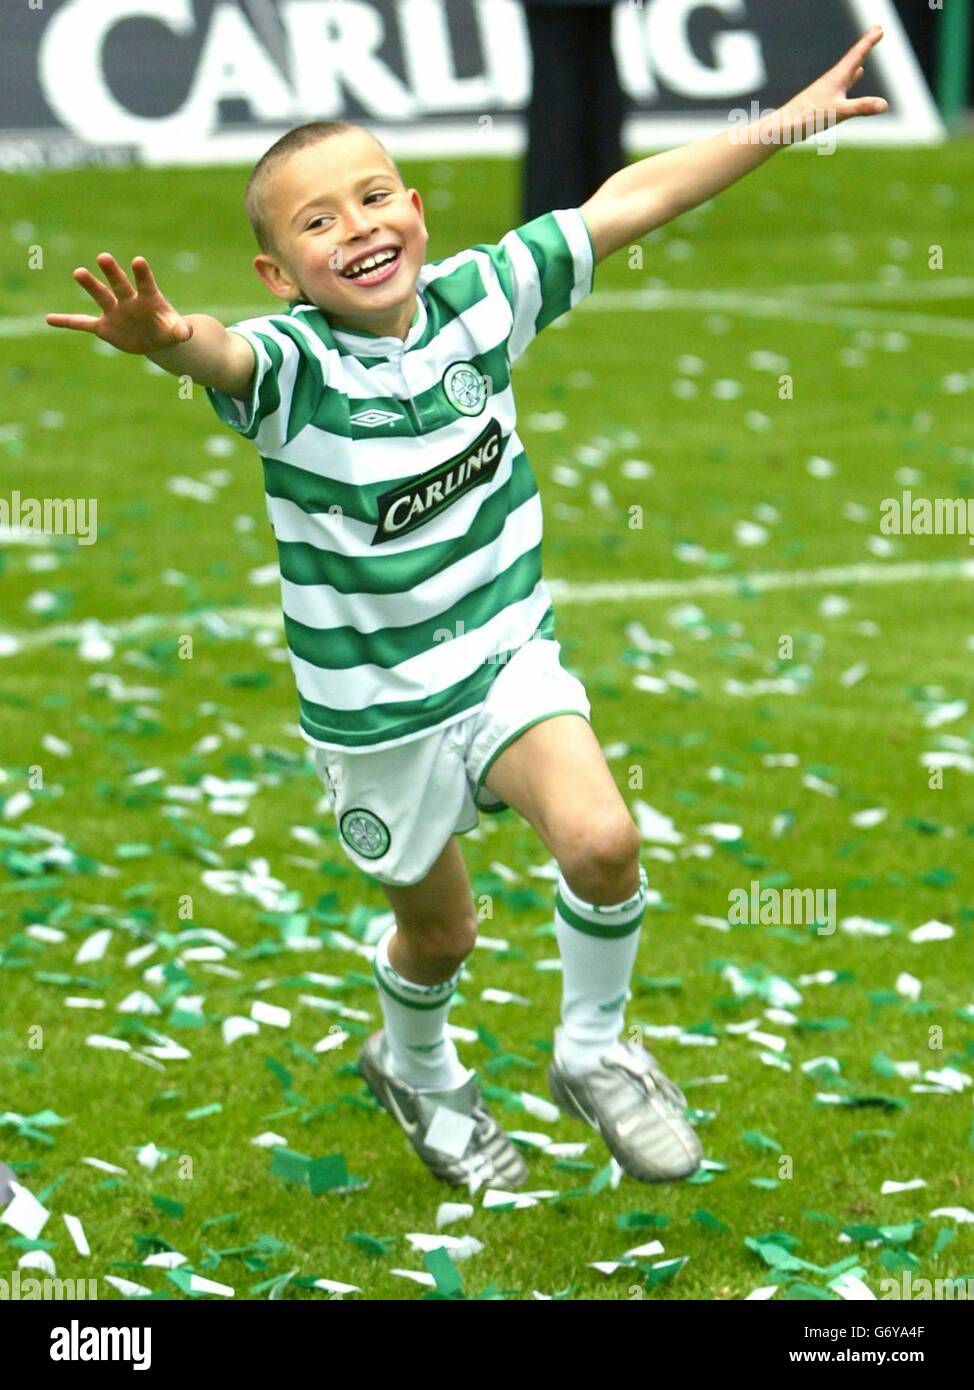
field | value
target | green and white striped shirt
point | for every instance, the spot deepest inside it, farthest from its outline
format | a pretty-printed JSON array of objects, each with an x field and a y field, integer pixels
[{"x": 407, "y": 518}]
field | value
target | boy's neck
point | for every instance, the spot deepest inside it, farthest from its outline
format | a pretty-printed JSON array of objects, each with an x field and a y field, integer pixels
[{"x": 395, "y": 325}]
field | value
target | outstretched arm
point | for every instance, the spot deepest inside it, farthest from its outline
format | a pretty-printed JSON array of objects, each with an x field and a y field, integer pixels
[
  {"x": 654, "y": 191},
  {"x": 141, "y": 320}
]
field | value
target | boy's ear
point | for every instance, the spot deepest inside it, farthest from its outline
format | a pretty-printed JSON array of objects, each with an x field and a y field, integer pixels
[
  {"x": 275, "y": 278},
  {"x": 417, "y": 203}
]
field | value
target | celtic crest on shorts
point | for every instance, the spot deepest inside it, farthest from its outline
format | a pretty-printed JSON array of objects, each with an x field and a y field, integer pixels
[
  {"x": 465, "y": 387},
  {"x": 365, "y": 832}
]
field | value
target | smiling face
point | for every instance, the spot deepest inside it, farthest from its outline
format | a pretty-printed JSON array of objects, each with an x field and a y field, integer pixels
[{"x": 347, "y": 235}]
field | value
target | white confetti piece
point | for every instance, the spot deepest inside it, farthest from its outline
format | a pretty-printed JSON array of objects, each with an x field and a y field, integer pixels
[
  {"x": 459, "y": 1247},
  {"x": 448, "y": 1212},
  {"x": 332, "y": 1040},
  {"x": 961, "y": 1214},
  {"x": 762, "y": 1294},
  {"x": 539, "y": 1108},
  {"x": 820, "y": 468},
  {"x": 533, "y": 1139},
  {"x": 126, "y": 1287},
  {"x": 93, "y": 947},
  {"x": 269, "y": 1140},
  {"x": 37, "y": 1259},
  {"x": 70, "y": 1001},
  {"x": 200, "y": 1285},
  {"x": 104, "y": 1167},
  {"x": 864, "y": 926},
  {"x": 17, "y": 804},
  {"x": 908, "y": 985},
  {"x": 50, "y": 935},
  {"x": 236, "y": 1026},
  {"x": 77, "y": 1234},
  {"x": 932, "y": 931},
  {"x": 419, "y": 1276},
  {"x": 149, "y": 1157},
  {"x": 502, "y": 996},
  {"x": 262, "y": 1012},
  {"x": 109, "y": 1044},
  {"x": 889, "y": 1186},
  {"x": 654, "y": 826},
  {"x": 335, "y": 1286},
  {"x": 25, "y": 1214},
  {"x": 164, "y": 1259},
  {"x": 851, "y": 1288},
  {"x": 865, "y": 820},
  {"x": 945, "y": 713},
  {"x": 449, "y": 1131}
]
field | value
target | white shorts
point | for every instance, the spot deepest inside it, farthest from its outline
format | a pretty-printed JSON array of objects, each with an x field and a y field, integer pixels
[{"x": 397, "y": 808}]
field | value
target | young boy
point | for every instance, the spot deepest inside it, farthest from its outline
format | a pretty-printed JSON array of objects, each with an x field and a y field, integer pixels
[{"x": 420, "y": 631}]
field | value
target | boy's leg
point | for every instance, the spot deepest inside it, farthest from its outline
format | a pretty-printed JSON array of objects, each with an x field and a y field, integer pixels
[
  {"x": 417, "y": 967},
  {"x": 555, "y": 775}
]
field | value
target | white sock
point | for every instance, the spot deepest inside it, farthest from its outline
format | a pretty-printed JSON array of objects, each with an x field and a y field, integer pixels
[
  {"x": 598, "y": 946},
  {"x": 415, "y": 1022}
]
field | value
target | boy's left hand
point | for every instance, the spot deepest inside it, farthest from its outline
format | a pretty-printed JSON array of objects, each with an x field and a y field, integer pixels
[{"x": 827, "y": 95}]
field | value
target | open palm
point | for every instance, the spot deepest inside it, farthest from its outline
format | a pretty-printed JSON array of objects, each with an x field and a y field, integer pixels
[
  {"x": 138, "y": 319},
  {"x": 829, "y": 92}
]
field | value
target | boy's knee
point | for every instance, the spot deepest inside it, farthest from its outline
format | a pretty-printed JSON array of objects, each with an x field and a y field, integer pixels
[{"x": 601, "y": 865}]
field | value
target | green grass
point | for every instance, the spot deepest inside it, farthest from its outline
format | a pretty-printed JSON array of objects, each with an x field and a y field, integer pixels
[{"x": 694, "y": 754}]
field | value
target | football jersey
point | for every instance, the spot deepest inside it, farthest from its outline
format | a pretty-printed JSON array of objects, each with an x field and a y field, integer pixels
[{"x": 407, "y": 518}]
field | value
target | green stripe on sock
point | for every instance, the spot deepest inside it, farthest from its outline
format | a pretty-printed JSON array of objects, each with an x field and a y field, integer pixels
[
  {"x": 403, "y": 999},
  {"x": 602, "y": 929}
]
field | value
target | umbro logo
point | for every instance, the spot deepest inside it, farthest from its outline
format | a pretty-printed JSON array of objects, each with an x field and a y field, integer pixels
[{"x": 371, "y": 419}]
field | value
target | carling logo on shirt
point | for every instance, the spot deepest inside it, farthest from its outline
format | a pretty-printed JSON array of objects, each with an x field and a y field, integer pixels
[{"x": 409, "y": 505}]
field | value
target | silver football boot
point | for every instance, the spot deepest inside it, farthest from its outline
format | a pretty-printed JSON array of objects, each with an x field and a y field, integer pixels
[
  {"x": 476, "y": 1154},
  {"x": 640, "y": 1113}
]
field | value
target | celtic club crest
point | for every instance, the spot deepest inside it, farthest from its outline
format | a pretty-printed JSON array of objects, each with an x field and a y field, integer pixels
[
  {"x": 465, "y": 387},
  {"x": 365, "y": 832}
]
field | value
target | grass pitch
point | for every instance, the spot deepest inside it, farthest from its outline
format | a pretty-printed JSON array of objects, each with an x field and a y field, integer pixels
[{"x": 813, "y": 270}]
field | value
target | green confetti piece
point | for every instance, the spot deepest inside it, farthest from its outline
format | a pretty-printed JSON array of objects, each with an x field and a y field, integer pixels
[
  {"x": 444, "y": 1271},
  {"x": 801, "y": 1289},
  {"x": 709, "y": 1221},
  {"x": 330, "y": 1174},
  {"x": 662, "y": 1273},
  {"x": 897, "y": 1260},
  {"x": 769, "y": 1184},
  {"x": 639, "y": 1220},
  {"x": 290, "y": 1166},
  {"x": 226, "y": 1220},
  {"x": 760, "y": 1141},
  {"x": 601, "y": 1180},
  {"x": 168, "y": 1206},
  {"x": 214, "y": 1108},
  {"x": 372, "y": 1245},
  {"x": 281, "y": 1072}
]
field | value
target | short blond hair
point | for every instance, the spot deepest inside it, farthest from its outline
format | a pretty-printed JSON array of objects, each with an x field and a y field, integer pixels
[{"x": 297, "y": 139}]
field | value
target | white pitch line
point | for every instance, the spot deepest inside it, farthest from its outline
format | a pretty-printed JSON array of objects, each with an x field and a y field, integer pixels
[
  {"x": 772, "y": 301},
  {"x": 766, "y": 582},
  {"x": 225, "y": 621},
  {"x": 772, "y": 306}
]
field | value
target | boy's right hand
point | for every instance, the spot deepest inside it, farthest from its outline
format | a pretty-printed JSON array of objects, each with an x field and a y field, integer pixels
[{"x": 133, "y": 320}]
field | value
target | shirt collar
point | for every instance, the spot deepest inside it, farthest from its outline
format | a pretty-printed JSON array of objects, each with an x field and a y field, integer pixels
[{"x": 373, "y": 344}]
